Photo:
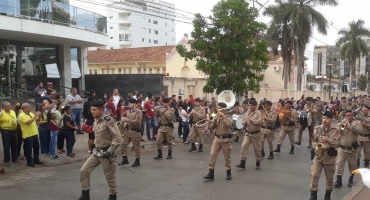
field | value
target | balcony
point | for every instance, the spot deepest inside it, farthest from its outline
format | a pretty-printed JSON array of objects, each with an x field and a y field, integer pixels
[
  {"x": 123, "y": 28},
  {"x": 125, "y": 42},
  {"x": 56, "y": 13}
]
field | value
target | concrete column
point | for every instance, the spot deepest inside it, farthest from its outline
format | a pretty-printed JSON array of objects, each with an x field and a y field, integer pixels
[
  {"x": 82, "y": 62},
  {"x": 65, "y": 69}
]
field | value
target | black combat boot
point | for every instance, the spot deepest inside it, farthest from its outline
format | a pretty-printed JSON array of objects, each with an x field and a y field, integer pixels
[
  {"x": 366, "y": 164},
  {"x": 327, "y": 195},
  {"x": 228, "y": 174},
  {"x": 236, "y": 139},
  {"x": 271, "y": 156},
  {"x": 277, "y": 150},
  {"x": 192, "y": 148},
  {"x": 241, "y": 164},
  {"x": 136, "y": 163},
  {"x": 291, "y": 150},
  {"x": 338, "y": 183},
  {"x": 169, "y": 156},
  {"x": 258, "y": 165},
  {"x": 159, "y": 155},
  {"x": 85, "y": 195},
  {"x": 350, "y": 181},
  {"x": 297, "y": 143},
  {"x": 263, "y": 153},
  {"x": 358, "y": 163},
  {"x": 200, "y": 148},
  {"x": 210, "y": 175},
  {"x": 112, "y": 197},
  {"x": 124, "y": 160},
  {"x": 313, "y": 195}
]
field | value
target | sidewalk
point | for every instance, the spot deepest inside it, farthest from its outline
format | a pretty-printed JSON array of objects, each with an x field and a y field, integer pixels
[{"x": 359, "y": 192}]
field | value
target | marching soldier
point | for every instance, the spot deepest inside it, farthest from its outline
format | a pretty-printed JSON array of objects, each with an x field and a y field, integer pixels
[
  {"x": 320, "y": 109},
  {"x": 268, "y": 129},
  {"x": 242, "y": 111},
  {"x": 222, "y": 126},
  {"x": 107, "y": 139},
  {"x": 364, "y": 138},
  {"x": 348, "y": 147},
  {"x": 329, "y": 136},
  {"x": 342, "y": 107},
  {"x": 253, "y": 122},
  {"x": 198, "y": 114},
  {"x": 288, "y": 128},
  {"x": 312, "y": 109},
  {"x": 165, "y": 130},
  {"x": 132, "y": 133}
]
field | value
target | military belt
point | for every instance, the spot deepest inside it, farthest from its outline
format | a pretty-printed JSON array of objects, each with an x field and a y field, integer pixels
[
  {"x": 224, "y": 136},
  {"x": 255, "y": 132},
  {"x": 268, "y": 127},
  {"x": 345, "y": 148},
  {"x": 102, "y": 149},
  {"x": 134, "y": 129}
]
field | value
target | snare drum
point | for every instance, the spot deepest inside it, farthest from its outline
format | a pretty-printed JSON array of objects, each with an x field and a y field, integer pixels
[
  {"x": 304, "y": 118},
  {"x": 237, "y": 122}
]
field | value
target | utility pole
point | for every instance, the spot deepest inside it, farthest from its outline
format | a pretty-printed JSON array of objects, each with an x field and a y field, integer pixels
[{"x": 330, "y": 73}]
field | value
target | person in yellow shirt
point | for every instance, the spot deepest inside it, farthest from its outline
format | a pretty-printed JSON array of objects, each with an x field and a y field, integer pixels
[
  {"x": 29, "y": 134},
  {"x": 8, "y": 126}
]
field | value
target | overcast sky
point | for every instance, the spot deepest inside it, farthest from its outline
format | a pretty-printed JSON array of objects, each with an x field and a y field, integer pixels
[{"x": 346, "y": 11}]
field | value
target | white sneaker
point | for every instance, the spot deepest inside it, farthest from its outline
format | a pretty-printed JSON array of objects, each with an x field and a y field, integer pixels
[{"x": 196, "y": 143}]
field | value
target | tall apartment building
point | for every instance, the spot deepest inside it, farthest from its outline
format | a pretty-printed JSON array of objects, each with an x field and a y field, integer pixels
[
  {"x": 324, "y": 56},
  {"x": 135, "y": 23}
]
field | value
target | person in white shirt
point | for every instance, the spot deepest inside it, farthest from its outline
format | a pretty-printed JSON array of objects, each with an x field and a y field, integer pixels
[
  {"x": 136, "y": 93},
  {"x": 116, "y": 98},
  {"x": 185, "y": 124}
]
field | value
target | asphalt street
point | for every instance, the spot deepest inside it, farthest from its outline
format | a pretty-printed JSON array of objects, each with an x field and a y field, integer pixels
[{"x": 286, "y": 177}]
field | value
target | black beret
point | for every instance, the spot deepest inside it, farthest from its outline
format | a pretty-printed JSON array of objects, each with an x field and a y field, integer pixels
[
  {"x": 166, "y": 100},
  {"x": 253, "y": 99},
  {"x": 132, "y": 100},
  {"x": 366, "y": 106},
  {"x": 245, "y": 102},
  {"x": 349, "y": 111},
  {"x": 318, "y": 98},
  {"x": 253, "y": 102},
  {"x": 309, "y": 99},
  {"x": 328, "y": 114},
  {"x": 97, "y": 103},
  {"x": 268, "y": 103},
  {"x": 343, "y": 98},
  {"x": 198, "y": 100},
  {"x": 222, "y": 105},
  {"x": 289, "y": 102},
  {"x": 92, "y": 92}
]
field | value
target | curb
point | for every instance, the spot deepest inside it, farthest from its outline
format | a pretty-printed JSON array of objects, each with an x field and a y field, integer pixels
[{"x": 355, "y": 191}]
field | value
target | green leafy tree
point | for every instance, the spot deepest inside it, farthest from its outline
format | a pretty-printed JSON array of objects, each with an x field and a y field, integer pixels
[
  {"x": 228, "y": 48},
  {"x": 362, "y": 83},
  {"x": 352, "y": 45}
]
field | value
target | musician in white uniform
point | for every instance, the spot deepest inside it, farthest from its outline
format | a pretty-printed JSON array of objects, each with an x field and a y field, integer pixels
[{"x": 312, "y": 110}]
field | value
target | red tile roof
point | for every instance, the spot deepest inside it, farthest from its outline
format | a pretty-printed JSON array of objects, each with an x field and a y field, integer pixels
[{"x": 142, "y": 54}]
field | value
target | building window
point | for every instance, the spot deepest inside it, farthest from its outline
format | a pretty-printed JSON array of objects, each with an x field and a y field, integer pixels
[
  {"x": 139, "y": 71},
  {"x": 145, "y": 8},
  {"x": 24, "y": 60},
  {"x": 90, "y": 71},
  {"x": 124, "y": 37},
  {"x": 143, "y": 40},
  {"x": 103, "y": 71},
  {"x": 149, "y": 21},
  {"x": 130, "y": 70},
  {"x": 111, "y": 17},
  {"x": 163, "y": 70},
  {"x": 143, "y": 19},
  {"x": 155, "y": 41},
  {"x": 111, "y": 37},
  {"x": 173, "y": 39},
  {"x": 165, "y": 24},
  {"x": 124, "y": 70},
  {"x": 150, "y": 40},
  {"x": 111, "y": 48},
  {"x": 120, "y": 71},
  {"x": 111, "y": 27},
  {"x": 113, "y": 71},
  {"x": 166, "y": 34},
  {"x": 158, "y": 71},
  {"x": 150, "y": 71},
  {"x": 172, "y": 30},
  {"x": 155, "y": 22},
  {"x": 155, "y": 32},
  {"x": 144, "y": 72},
  {"x": 95, "y": 71},
  {"x": 150, "y": 30}
]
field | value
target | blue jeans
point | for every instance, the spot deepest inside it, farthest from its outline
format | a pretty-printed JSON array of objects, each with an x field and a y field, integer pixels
[
  {"x": 29, "y": 144},
  {"x": 44, "y": 140},
  {"x": 53, "y": 142},
  {"x": 69, "y": 135},
  {"x": 185, "y": 133},
  {"x": 156, "y": 121},
  {"x": 149, "y": 123},
  {"x": 76, "y": 114}
]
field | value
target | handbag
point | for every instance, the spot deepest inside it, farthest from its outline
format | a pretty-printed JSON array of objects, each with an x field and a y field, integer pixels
[{"x": 87, "y": 128}]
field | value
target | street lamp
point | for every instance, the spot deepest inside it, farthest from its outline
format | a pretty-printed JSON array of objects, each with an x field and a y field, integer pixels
[{"x": 330, "y": 73}]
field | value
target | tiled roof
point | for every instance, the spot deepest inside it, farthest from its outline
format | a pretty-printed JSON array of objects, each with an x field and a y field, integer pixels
[{"x": 142, "y": 54}]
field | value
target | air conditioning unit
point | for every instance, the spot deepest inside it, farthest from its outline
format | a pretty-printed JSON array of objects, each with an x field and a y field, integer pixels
[{"x": 276, "y": 68}]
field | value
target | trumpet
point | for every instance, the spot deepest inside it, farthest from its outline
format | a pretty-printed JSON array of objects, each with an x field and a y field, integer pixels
[
  {"x": 213, "y": 114},
  {"x": 155, "y": 108},
  {"x": 343, "y": 125}
]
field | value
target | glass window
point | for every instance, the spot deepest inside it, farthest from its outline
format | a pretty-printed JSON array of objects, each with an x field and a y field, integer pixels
[
  {"x": 156, "y": 32},
  {"x": 90, "y": 71},
  {"x": 155, "y": 41},
  {"x": 103, "y": 71},
  {"x": 95, "y": 71},
  {"x": 155, "y": 22},
  {"x": 130, "y": 70},
  {"x": 150, "y": 40},
  {"x": 143, "y": 40},
  {"x": 150, "y": 30},
  {"x": 149, "y": 21}
]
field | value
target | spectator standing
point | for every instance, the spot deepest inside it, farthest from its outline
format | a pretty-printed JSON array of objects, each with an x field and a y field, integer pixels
[
  {"x": 49, "y": 86},
  {"x": 29, "y": 133},
  {"x": 38, "y": 91},
  {"x": 89, "y": 120},
  {"x": 44, "y": 131},
  {"x": 59, "y": 117},
  {"x": 8, "y": 126},
  {"x": 74, "y": 102},
  {"x": 116, "y": 98},
  {"x": 69, "y": 126},
  {"x": 111, "y": 108},
  {"x": 149, "y": 116},
  {"x": 185, "y": 124},
  {"x": 213, "y": 103},
  {"x": 54, "y": 128},
  {"x": 18, "y": 111}
]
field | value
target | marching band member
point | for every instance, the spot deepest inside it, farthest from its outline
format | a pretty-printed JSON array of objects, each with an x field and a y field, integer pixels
[
  {"x": 197, "y": 114},
  {"x": 242, "y": 111},
  {"x": 347, "y": 150},
  {"x": 253, "y": 122},
  {"x": 133, "y": 133},
  {"x": 268, "y": 129},
  {"x": 312, "y": 109},
  {"x": 364, "y": 138},
  {"x": 222, "y": 127},
  {"x": 165, "y": 130},
  {"x": 342, "y": 107},
  {"x": 288, "y": 128},
  {"x": 320, "y": 109},
  {"x": 328, "y": 137}
]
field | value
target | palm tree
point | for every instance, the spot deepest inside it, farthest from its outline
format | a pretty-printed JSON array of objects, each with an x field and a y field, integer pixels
[
  {"x": 352, "y": 45},
  {"x": 278, "y": 35},
  {"x": 304, "y": 18}
]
